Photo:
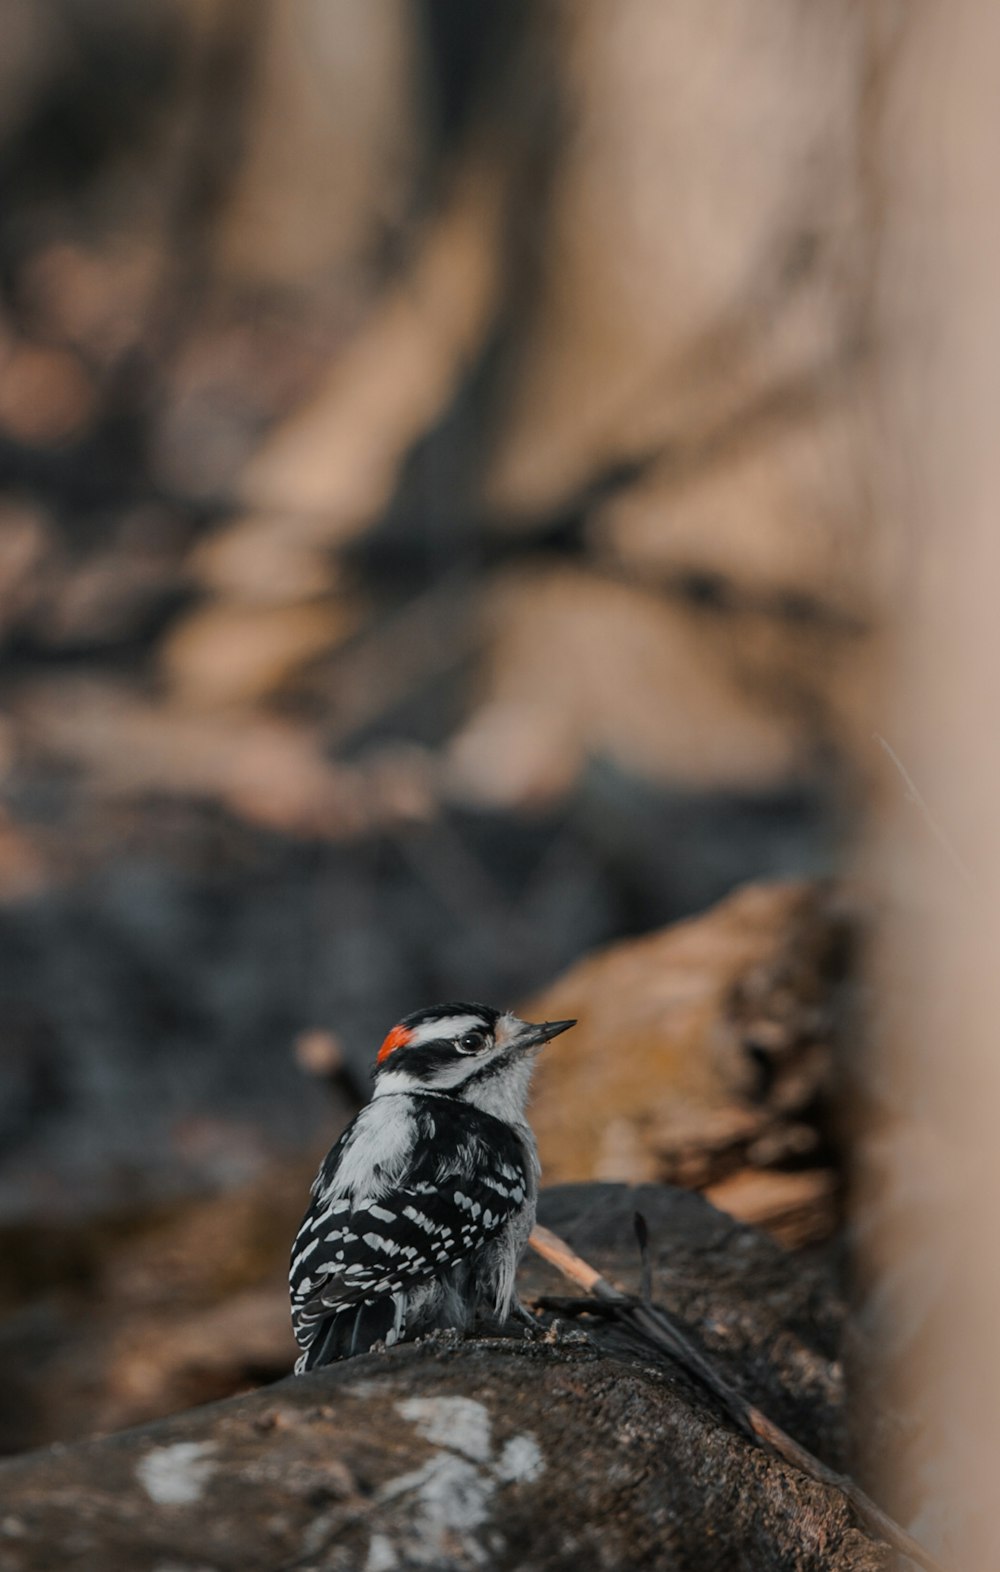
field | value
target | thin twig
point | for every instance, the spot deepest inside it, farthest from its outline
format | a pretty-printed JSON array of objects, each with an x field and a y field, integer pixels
[
  {"x": 646, "y": 1258},
  {"x": 915, "y": 796},
  {"x": 657, "y": 1327}
]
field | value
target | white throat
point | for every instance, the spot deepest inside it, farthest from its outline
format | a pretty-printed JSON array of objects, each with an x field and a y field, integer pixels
[{"x": 505, "y": 1096}]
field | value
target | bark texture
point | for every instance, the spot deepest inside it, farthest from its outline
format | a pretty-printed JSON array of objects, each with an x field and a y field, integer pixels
[
  {"x": 555, "y": 1451},
  {"x": 705, "y": 1057}
]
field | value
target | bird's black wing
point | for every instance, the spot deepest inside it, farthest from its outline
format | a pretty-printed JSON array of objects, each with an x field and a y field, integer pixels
[{"x": 461, "y": 1189}]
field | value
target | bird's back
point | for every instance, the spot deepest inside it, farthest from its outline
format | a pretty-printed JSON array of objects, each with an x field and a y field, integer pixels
[{"x": 417, "y": 1213}]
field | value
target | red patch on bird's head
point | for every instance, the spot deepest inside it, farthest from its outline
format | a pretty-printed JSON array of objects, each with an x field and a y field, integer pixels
[{"x": 397, "y": 1038}]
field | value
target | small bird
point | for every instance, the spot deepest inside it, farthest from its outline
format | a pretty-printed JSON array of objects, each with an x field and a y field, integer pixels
[{"x": 421, "y": 1210}]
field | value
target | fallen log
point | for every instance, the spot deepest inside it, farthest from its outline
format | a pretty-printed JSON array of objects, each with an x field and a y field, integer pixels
[
  {"x": 554, "y": 1450},
  {"x": 706, "y": 1056},
  {"x": 655, "y": 1327}
]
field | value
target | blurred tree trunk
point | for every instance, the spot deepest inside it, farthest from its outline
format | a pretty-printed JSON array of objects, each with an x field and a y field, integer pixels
[{"x": 933, "y": 1177}]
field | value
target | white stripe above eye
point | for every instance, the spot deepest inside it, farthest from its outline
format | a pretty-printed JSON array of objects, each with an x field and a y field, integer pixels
[{"x": 445, "y": 1027}]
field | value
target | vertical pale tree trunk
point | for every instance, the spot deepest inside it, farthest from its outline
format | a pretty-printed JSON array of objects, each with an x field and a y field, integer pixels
[{"x": 938, "y": 402}]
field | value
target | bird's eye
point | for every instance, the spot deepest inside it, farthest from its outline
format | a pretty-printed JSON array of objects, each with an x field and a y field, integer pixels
[{"x": 470, "y": 1042}]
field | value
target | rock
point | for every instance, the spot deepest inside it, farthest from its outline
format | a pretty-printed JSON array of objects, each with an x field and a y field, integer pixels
[
  {"x": 334, "y": 462},
  {"x": 581, "y": 666},
  {"x": 46, "y": 395},
  {"x": 229, "y": 655},
  {"x": 550, "y": 1453},
  {"x": 331, "y": 145},
  {"x": 27, "y": 551},
  {"x": 267, "y": 769},
  {"x": 704, "y": 242},
  {"x": 257, "y": 559}
]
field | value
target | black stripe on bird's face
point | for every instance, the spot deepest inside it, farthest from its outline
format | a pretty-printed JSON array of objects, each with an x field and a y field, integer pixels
[
  {"x": 430, "y": 1062},
  {"x": 453, "y": 1045},
  {"x": 422, "y": 1043}
]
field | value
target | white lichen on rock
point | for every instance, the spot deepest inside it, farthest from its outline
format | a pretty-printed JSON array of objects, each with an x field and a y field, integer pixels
[
  {"x": 450, "y": 1496},
  {"x": 176, "y": 1475},
  {"x": 459, "y": 1423}
]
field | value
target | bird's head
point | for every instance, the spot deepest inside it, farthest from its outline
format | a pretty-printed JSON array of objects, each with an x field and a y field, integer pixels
[{"x": 469, "y": 1051}]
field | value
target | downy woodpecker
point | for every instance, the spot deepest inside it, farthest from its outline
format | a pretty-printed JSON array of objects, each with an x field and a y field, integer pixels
[{"x": 421, "y": 1210}]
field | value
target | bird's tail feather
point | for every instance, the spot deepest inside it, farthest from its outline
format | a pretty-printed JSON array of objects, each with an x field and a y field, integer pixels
[{"x": 354, "y": 1329}]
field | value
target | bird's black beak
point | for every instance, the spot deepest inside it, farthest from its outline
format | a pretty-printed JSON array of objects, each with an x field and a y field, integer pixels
[{"x": 534, "y": 1036}]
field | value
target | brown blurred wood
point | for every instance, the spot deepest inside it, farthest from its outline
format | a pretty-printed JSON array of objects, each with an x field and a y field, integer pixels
[
  {"x": 706, "y": 1056},
  {"x": 798, "y": 1207}
]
